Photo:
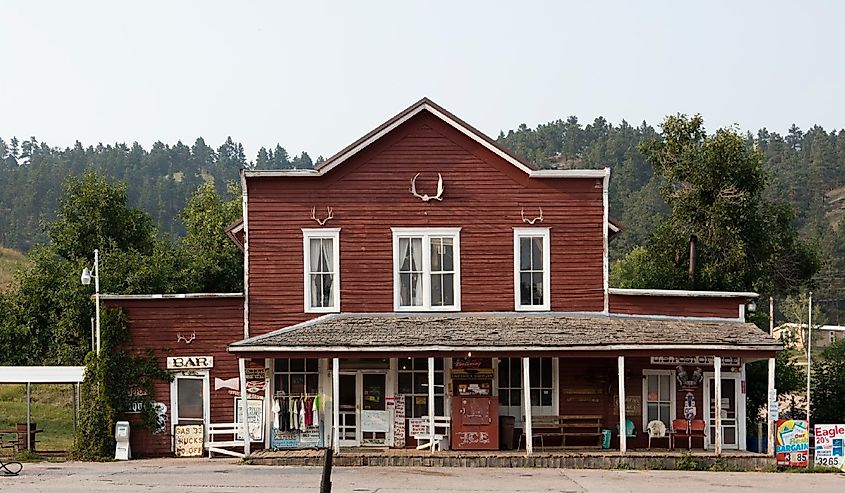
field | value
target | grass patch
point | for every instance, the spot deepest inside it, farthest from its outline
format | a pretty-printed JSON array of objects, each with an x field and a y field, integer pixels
[
  {"x": 51, "y": 410},
  {"x": 10, "y": 262}
]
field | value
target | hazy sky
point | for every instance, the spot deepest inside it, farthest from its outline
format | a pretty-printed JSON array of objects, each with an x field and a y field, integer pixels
[{"x": 315, "y": 76}]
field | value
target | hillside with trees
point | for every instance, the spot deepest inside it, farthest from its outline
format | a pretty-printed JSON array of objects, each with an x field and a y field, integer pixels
[{"x": 804, "y": 169}]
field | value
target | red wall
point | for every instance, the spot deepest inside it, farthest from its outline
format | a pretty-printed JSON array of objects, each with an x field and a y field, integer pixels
[
  {"x": 369, "y": 194},
  {"x": 675, "y": 305},
  {"x": 155, "y": 323}
]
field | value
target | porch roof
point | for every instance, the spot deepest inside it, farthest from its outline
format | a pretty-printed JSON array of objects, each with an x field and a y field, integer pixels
[{"x": 505, "y": 331}]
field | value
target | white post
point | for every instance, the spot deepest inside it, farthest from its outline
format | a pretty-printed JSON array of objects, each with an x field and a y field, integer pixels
[
  {"x": 244, "y": 407},
  {"x": 623, "y": 432},
  {"x": 717, "y": 384},
  {"x": 28, "y": 419},
  {"x": 809, "y": 353},
  {"x": 336, "y": 405},
  {"x": 526, "y": 405},
  {"x": 769, "y": 421},
  {"x": 97, "y": 295},
  {"x": 431, "y": 400}
]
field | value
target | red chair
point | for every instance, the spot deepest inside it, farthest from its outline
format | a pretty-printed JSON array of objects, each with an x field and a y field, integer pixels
[
  {"x": 680, "y": 429},
  {"x": 697, "y": 429}
]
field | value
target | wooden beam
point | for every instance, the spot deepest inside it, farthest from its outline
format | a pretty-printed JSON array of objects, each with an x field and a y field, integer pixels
[
  {"x": 431, "y": 400},
  {"x": 769, "y": 421},
  {"x": 623, "y": 438},
  {"x": 717, "y": 384},
  {"x": 244, "y": 407},
  {"x": 336, "y": 405},
  {"x": 526, "y": 405}
]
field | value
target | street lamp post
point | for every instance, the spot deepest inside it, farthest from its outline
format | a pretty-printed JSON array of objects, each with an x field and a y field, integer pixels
[{"x": 86, "y": 280}]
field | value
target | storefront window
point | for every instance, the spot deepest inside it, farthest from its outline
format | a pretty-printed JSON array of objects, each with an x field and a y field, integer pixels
[
  {"x": 510, "y": 386},
  {"x": 658, "y": 397},
  {"x": 296, "y": 376},
  {"x": 413, "y": 383}
]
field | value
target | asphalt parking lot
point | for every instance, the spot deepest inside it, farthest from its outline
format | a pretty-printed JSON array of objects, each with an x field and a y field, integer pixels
[{"x": 221, "y": 475}]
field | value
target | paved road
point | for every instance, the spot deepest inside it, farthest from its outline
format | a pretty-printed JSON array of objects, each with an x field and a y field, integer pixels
[{"x": 200, "y": 475}]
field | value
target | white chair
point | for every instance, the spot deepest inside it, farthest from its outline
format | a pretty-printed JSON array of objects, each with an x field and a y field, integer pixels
[{"x": 656, "y": 429}]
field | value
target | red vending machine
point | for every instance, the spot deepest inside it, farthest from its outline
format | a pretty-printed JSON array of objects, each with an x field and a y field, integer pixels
[{"x": 475, "y": 411}]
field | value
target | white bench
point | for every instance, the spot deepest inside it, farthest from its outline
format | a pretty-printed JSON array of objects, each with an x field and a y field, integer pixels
[
  {"x": 214, "y": 444},
  {"x": 442, "y": 425}
]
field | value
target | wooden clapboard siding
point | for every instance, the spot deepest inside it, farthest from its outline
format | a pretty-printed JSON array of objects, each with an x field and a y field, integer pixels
[
  {"x": 155, "y": 323},
  {"x": 369, "y": 194},
  {"x": 682, "y": 306}
]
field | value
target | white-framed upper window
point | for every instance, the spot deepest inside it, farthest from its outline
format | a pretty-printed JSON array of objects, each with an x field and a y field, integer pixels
[
  {"x": 321, "y": 254},
  {"x": 426, "y": 269},
  {"x": 658, "y": 397},
  {"x": 531, "y": 269}
]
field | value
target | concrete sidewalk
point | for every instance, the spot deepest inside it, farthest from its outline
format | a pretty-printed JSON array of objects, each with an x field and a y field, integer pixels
[{"x": 223, "y": 475}]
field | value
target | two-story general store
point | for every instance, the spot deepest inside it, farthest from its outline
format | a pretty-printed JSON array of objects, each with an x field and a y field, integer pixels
[{"x": 424, "y": 282}]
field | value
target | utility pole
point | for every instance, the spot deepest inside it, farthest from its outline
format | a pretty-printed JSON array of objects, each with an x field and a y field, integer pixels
[{"x": 809, "y": 352}]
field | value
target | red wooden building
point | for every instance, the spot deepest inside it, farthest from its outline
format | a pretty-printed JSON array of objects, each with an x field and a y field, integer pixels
[{"x": 426, "y": 275}]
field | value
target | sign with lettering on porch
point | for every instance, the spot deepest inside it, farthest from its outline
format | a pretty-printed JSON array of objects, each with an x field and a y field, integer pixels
[
  {"x": 694, "y": 360},
  {"x": 190, "y": 362},
  {"x": 792, "y": 444}
]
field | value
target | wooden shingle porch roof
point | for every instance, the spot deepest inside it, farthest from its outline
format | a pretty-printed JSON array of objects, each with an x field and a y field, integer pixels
[{"x": 507, "y": 332}]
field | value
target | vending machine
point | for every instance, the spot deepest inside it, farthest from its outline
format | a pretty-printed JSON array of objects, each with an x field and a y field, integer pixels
[{"x": 475, "y": 411}]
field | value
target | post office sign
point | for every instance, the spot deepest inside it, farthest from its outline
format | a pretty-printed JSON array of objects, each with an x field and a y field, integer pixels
[{"x": 190, "y": 362}]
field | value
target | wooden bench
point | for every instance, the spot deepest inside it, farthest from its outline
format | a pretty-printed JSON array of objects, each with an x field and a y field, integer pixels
[
  {"x": 220, "y": 446},
  {"x": 565, "y": 426},
  {"x": 442, "y": 425},
  {"x": 15, "y": 438}
]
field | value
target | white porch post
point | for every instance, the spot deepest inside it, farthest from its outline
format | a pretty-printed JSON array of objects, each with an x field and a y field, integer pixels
[
  {"x": 244, "y": 407},
  {"x": 769, "y": 421},
  {"x": 526, "y": 405},
  {"x": 717, "y": 384},
  {"x": 431, "y": 400},
  {"x": 336, "y": 405},
  {"x": 623, "y": 432}
]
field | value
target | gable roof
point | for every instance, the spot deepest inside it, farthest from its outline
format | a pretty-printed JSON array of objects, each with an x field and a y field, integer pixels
[{"x": 438, "y": 111}]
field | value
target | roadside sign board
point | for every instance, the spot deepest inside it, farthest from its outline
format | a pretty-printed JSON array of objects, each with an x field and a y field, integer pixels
[
  {"x": 830, "y": 441},
  {"x": 792, "y": 446},
  {"x": 773, "y": 405}
]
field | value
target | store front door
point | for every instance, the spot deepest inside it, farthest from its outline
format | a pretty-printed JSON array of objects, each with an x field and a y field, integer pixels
[
  {"x": 363, "y": 410},
  {"x": 731, "y": 412}
]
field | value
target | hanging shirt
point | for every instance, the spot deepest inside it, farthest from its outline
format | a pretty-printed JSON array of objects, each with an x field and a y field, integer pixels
[
  {"x": 315, "y": 417},
  {"x": 302, "y": 423},
  {"x": 277, "y": 408}
]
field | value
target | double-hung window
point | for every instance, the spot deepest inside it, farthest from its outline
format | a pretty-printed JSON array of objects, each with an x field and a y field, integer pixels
[
  {"x": 531, "y": 269},
  {"x": 658, "y": 397},
  {"x": 427, "y": 269},
  {"x": 321, "y": 252}
]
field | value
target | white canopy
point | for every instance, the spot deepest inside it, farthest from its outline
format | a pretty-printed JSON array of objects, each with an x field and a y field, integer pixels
[{"x": 41, "y": 374}]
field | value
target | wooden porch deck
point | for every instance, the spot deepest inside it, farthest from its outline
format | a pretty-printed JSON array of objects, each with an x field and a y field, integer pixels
[{"x": 569, "y": 458}]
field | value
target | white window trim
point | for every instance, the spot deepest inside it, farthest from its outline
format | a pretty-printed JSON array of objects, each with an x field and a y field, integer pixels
[
  {"x": 307, "y": 235},
  {"x": 552, "y": 410},
  {"x": 547, "y": 263},
  {"x": 673, "y": 403},
  {"x": 426, "y": 234}
]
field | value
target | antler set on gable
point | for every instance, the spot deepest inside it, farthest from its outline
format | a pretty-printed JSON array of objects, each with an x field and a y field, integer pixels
[
  {"x": 425, "y": 197},
  {"x": 321, "y": 222},
  {"x": 180, "y": 337},
  {"x": 534, "y": 220}
]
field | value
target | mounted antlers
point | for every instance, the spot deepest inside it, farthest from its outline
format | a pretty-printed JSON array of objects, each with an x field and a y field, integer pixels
[
  {"x": 321, "y": 222},
  {"x": 532, "y": 221},
  {"x": 180, "y": 337},
  {"x": 426, "y": 197}
]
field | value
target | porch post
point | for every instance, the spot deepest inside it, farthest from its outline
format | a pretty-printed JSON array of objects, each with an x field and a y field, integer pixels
[
  {"x": 717, "y": 384},
  {"x": 526, "y": 405},
  {"x": 336, "y": 405},
  {"x": 623, "y": 430},
  {"x": 431, "y": 400},
  {"x": 769, "y": 421},
  {"x": 244, "y": 407}
]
